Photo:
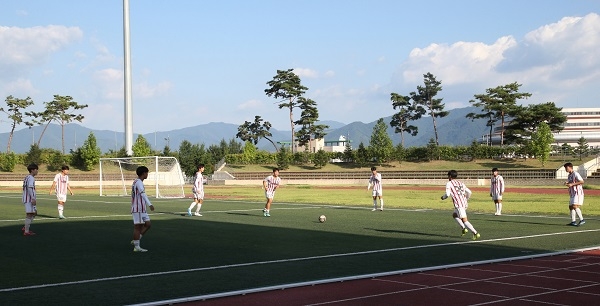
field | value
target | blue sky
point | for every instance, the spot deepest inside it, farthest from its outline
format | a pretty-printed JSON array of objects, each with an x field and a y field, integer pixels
[{"x": 196, "y": 62}]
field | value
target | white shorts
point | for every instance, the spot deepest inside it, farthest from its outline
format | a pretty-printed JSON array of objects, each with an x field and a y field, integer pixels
[
  {"x": 61, "y": 197},
  {"x": 140, "y": 218},
  {"x": 461, "y": 212},
  {"x": 497, "y": 197},
  {"x": 576, "y": 200},
  {"x": 199, "y": 196},
  {"x": 30, "y": 208},
  {"x": 269, "y": 194},
  {"x": 377, "y": 193}
]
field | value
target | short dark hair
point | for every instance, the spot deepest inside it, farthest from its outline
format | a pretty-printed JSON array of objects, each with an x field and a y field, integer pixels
[
  {"x": 200, "y": 166},
  {"x": 32, "y": 167},
  {"x": 568, "y": 165},
  {"x": 141, "y": 170},
  {"x": 494, "y": 169},
  {"x": 275, "y": 169},
  {"x": 453, "y": 174},
  {"x": 64, "y": 167},
  {"x": 373, "y": 168}
]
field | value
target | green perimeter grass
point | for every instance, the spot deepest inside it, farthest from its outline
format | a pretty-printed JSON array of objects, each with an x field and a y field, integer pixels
[{"x": 233, "y": 247}]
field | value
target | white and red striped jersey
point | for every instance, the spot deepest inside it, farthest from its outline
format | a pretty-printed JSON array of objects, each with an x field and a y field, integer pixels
[
  {"x": 139, "y": 199},
  {"x": 29, "y": 189},
  {"x": 61, "y": 181},
  {"x": 272, "y": 183},
  {"x": 375, "y": 181},
  {"x": 459, "y": 193},
  {"x": 198, "y": 183},
  {"x": 576, "y": 190},
  {"x": 497, "y": 185}
]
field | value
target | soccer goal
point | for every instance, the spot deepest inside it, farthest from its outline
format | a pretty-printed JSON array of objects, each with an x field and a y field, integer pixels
[{"x": 165, "y": 179}]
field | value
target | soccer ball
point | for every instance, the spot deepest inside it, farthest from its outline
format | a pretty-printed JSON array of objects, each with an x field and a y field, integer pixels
[{"x": 322, "y": 218}]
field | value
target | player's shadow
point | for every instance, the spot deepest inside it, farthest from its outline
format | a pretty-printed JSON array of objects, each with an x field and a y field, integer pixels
[
  {"x": 406, "y": 232},
  {"x": 522, "y": 222},
  {"x": 244, "y": 214}
]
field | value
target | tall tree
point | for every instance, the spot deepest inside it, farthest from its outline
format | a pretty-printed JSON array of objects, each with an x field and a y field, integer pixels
[
  {"x": 254, "y": 131},
  {"x": 381, "y": 145},
  {"x": 89, "y": 153},
  {"x": 424, "y": 96},
  {"x": 526, "y": 119},
  {"x": 308, "y": 118},
  {"x": 582, "y": 149},
  {"x": 287, "y": 88},
  {"x": 496, "y": 104},
  {"x": 141, "y": 147},
  {"x": 15, "y": 114},
  {"x": 541, "y": 141},
  {"x": 408, "y": 111},
  {"x": 62, "y": 110}
]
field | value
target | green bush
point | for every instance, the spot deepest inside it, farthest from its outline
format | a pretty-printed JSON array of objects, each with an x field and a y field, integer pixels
[{"x": 8, "y": 161}]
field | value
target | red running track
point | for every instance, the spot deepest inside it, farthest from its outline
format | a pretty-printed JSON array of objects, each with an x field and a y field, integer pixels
[{"x": 571, "y": 279}]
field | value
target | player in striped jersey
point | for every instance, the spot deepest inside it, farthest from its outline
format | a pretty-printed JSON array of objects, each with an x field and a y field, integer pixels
[
  {"x": 375, "y": 181},
  {"x": 496, "y": 190},
  {"x": 460, "y": 195},
  {"x": 575, "y": 184},
  {"x": 198, "y": 192},
  {"x": 29, "y": 198},
  {"x": 61, "y": 182},
  {"x": 139, "y": 200},
  {"x": 270, "y": 183}
]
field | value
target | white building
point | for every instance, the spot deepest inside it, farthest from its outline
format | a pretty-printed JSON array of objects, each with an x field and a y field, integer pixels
[{"x": 320, "y": 144}]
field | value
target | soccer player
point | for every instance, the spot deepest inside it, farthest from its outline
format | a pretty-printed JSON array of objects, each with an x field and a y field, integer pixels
[
  {"x": 198, "y": 191},
  {"x": 575, "y": 184},
  {"x": 139, "y": 200},
  {"x": 375, "y": 181},
  {"x": 61, "y": 182},
  {"x": 270, "y": 183},
  {"x": 29, "y": 198},
  {"x": 496, "y": 190},
  {"x": 460, "y": 195}
]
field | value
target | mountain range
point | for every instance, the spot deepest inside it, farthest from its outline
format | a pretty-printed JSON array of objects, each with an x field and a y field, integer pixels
[{"x": 454, "y": 129}]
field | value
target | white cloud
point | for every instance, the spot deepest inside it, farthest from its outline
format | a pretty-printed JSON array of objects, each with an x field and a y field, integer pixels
[
  {"x": 250, "y": 105},
  {"x": 306, "y": 73},
  {"x": 20, "y": 87},
  {"x": 145, "y": 90}
]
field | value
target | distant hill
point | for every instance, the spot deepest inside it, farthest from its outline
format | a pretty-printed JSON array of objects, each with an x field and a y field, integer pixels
[{"x": 454, "y": 129}]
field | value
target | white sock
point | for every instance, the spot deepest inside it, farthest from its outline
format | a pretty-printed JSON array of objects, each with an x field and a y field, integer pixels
[
  {"x": 28, "y": 221},
  {"x": 198, "y": 208},
  {"x": 374, "y": 203},
  {"x": 470, "y": 227},
  {"x": 136, "y": 243},
  {"x": 460, "y": 222},
  {"x": 499, "y": 208},
  {"x": 573, "y": 215},
  {"x": 60, "y": 209},
  {"x": 381, "y": 203},
  {"x": 140, "y": 236},
  {"x": 192, "y": 205},
  {"x": 579, "y": 214}
]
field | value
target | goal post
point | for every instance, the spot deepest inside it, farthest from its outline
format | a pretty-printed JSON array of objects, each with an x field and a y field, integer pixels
[{"x": 165, "y": 179}]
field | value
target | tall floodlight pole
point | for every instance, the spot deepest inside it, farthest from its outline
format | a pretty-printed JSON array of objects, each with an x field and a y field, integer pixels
[{"x": 127, "y": 77}]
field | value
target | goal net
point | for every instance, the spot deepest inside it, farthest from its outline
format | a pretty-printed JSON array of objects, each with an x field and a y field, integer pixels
[{"x": 165, "y": 179}]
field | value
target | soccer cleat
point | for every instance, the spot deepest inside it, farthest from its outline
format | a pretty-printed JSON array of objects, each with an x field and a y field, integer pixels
[
  {"x": 23, "y": 229},
  {"x": 197, "y": 214},
  {"x": 464, "y": 231},
  {"x": 497, "y": 214},
  {"x": 267, "y": 214},
  {"x": 61, "y": 217},
  {"x": 381, "y": 209},
  {"x": 138, "y": 249},
  {"x": 374, "y": 209},
  {"x": 189, "y": 212},
  {"x": 476, "y": 236},
  {"x": 30, "y": 233},
  {"x": 581, "y": 222},
  {"x": 573, "y": 223}
]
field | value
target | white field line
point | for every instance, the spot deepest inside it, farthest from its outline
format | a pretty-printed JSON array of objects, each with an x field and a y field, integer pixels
[{"x": 95, "y": 280}]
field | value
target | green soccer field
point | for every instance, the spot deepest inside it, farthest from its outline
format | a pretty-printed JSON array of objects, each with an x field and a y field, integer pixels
[{"x": 87, "y": 258}]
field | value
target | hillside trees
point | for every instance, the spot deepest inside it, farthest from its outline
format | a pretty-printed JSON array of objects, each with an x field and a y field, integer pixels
[
  {"x": 62, "y": 110},
  {"x": 286, "y": 86},
  {"x": 254, "y": 131},
  {"x": 15, "y": 114},
  {"x": 407, "y": 112},
  {"x": 425, "y": 96},
  {"x": 381, "y": 146},
  {"x": 496, "y": 104}
]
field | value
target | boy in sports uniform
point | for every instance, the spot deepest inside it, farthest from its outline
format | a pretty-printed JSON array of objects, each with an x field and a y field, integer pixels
[
  {"x": 270, "y": 183},
  {"x": 375, "y": 181},
  {"x": 139, "y": 200},
  {"x": 61, "y": 182},
  {"x": 496, "y": 190},
  {"x": 29, "y": 198},
  {"x": 460, "y": 195},
  {"x": 198, "y": 191},
  {"x": 575, "y": 184}
]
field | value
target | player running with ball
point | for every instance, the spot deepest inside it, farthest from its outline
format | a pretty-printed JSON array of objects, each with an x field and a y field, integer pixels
[{"x": 460, "y": 195}]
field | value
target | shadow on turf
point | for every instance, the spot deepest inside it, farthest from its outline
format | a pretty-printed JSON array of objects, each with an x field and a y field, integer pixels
[
  {"x": 407, "y": 232},
  {"x": 244, "y": 214},
  {"x": 522, "y": 222}
]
